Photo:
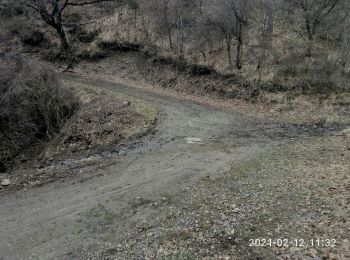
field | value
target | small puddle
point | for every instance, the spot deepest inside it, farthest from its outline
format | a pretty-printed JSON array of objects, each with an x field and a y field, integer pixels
[{"x": 193, "y": 140}]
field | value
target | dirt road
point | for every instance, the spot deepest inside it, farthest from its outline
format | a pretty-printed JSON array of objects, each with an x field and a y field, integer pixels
[{"x": 190, "y": 141}]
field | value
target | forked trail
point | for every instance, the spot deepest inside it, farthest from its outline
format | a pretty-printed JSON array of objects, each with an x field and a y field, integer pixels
[{"x": 190, "y": 140}]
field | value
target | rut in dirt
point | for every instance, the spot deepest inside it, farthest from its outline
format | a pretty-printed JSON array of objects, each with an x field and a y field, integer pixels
[{"x": 190, "y": 141}]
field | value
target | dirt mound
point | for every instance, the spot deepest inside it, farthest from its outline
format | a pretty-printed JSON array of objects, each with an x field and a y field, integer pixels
[
  {"x": 33, "y": 105},
  {"x": 101, "y": 122},
  {"x": 105, "y": 120}
]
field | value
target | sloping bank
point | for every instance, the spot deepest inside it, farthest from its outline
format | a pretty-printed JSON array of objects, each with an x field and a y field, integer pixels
[
  {"x": 105, "y": 118},
  {"x": 33, "y": 107},
  {"x": 101, "y": 120}
]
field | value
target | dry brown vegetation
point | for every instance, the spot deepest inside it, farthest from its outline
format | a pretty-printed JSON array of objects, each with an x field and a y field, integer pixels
[
  {"x": 298, "y": 107},
  {"x": 299, "y": 45},
  {"x": 33, "y": 105},
  {"x": 264, "y": 42},
  {"x": 274, "y": 165},
  {"x": 302, "y": 192},
  {"x": 104, "y": 121}
]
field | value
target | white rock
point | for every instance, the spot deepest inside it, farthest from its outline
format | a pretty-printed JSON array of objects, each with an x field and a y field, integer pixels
[
  {"x": 236, "y": 210},
  {"x": 193, "y": 140},
  {"x": 5, "y": 182}
]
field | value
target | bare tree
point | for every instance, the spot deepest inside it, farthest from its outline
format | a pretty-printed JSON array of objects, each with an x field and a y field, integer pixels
[
  {"x": 231, "y": 18},
  {"x": 313, "y": 15},
  {"x": 51, "y": 12},
  {"x": 240, "y": 11},
  {"x": 164, "y": 19},
  {"x": 218, "y": 19},
  {"x": 198, "y": 4},
  {"x": 264, "y": 16}
]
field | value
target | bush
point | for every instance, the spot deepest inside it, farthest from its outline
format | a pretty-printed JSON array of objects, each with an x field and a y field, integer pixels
[
  {"x": 87, "y": 37},
  {"x": 57, "y": 55},
  {"x": 10, "y": 9},
  {"x": 33, "y": 105},
  {"x": 92, "y": 55},
  {"x": 110, "y": 47},
  {"x": 184, "y": 66},
  {"x": 33, "y": 39}
]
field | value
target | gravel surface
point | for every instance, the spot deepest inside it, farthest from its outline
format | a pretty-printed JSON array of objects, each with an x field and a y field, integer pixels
[{"x": 170, "y": 195}]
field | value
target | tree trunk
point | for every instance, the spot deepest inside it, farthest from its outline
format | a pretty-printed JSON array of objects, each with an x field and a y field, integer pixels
[
  {"x": 270, "y": 25},
  {"x": 170, "y": 39},
  {"x": 239, "y": 53},
  {"x": 202, "y": 51},
  {"x": 309, "y": 39},
  {"x": 135, "y": 25},
  {"x": 309, "y": 45},
  {"x": 228, "y": 49},
  {"x": 270, "y": 18},
  {"x": 182, "y": 44},
  {"x": 309, "y": 49},
  {"x": 180, "y": 26},
  {"x": 62, "y": 37}
]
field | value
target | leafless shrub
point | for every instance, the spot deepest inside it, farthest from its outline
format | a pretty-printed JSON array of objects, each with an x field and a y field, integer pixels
[{"x": 33, "y": 105}]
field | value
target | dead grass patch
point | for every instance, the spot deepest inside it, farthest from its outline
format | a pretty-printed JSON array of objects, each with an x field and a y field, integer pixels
[
  {"x": 303, "y": 192},
  {"x": 105, "y": 119}
]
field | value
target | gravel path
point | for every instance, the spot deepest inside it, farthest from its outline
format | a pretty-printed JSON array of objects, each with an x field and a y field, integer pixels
[{"x": 190, "y": 141}]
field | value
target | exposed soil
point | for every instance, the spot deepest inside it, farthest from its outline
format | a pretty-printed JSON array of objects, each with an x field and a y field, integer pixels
[
  {"x": 104, "y": 122},
  {"x": 173, "y": 195},
  {"x": 270, "y": 104},
  {"x": 297, "y": 192}
]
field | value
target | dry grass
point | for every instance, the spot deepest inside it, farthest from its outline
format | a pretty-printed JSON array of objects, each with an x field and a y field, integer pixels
[
  {"x": 304, "y": 109},
  {"x": 297, "y": 190},
  {"x": 144, "y": 108},
  {"x": 105, "y": 119},
  {"x": 304, "y": 194},
  {"x": 33, "y": 105},
  {"x": 281, "y": 106}
]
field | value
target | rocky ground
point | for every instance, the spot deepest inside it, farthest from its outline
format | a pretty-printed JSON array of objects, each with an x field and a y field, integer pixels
[
  {"x": 201, "y": 186},
  {"x": 297, "y": 192}
]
